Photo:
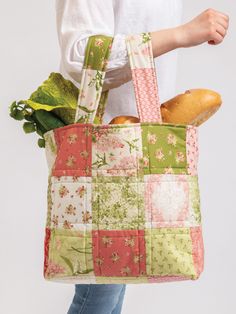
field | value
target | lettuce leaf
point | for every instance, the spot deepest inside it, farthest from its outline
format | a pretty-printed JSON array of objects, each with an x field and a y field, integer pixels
[{"x": 57, "y": 94}]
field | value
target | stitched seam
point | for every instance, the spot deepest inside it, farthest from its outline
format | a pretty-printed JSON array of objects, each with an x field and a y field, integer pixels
[{"x": 84, "y": 300}]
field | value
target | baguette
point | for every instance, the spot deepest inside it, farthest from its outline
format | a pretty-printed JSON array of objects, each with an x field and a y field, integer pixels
[{"x": 195, "y": 106}]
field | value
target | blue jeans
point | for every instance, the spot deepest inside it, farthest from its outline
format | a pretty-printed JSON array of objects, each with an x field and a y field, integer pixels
[{"x": 97, "y": 299}]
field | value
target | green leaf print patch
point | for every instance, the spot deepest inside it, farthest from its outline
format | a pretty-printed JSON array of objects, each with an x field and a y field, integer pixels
[{"x": 118, "y": 203}]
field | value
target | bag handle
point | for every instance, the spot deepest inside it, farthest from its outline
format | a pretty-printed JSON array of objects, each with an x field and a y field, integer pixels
[
  {"x": 144, "y": 78},
  {"x": 91, "y": 98}
]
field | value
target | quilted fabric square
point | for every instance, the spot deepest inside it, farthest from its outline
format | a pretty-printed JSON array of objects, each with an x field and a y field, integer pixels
[
  {"x": 70, "y": 254},
  {"x": 198, "y": 251},
  {"x": 118, "y": 203},
  {"x": 119, "y": 253},
  {"x": 74, "y": 151},
  {"x": 71, "y": 197},
  {"x": 172, "y": 200},
  {"x": 192, "y": 149},
  {"x": 169, "y": 252},
  {"x": 164, "y": 149},
  {"x": 116, "y": 151}
]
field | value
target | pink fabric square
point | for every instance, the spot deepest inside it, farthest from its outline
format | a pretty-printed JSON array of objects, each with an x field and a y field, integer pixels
[
  {"x": 74, "y": 156},
  {"x": 198, "y": 248},
  {"x": 119, "y": 253},
  {"x": 192, "y": 149},
  {"x": 166, "y": 200}
]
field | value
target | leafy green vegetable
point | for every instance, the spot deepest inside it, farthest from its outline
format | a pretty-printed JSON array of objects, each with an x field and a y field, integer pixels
[
  {"x": 48, "y": 120},
  {"x": 55, "y": 92},
  {"x": 18, "y": 111},
  {"x": 29, "y": 118},
  {"x": 29, "y": 127},
  {"x": 41, "y": 142},
  {"x": 67, "y": 115},
  {"x": 52, "y": 105}
]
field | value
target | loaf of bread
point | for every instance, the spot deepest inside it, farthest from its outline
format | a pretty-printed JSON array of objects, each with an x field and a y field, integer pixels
[
  {"x": 124, "y": 119},
  {"x": 195, "y": 106}
]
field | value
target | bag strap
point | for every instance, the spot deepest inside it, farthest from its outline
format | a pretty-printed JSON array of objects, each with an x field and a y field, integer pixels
[
  {"x": 91, "y": 97},
  {"x": 144, "y": 78},
  {"x": 101, "y": 108}
]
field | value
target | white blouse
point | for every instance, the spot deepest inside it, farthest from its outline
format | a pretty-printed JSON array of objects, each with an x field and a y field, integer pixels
[{"x": 79, "y": 19}]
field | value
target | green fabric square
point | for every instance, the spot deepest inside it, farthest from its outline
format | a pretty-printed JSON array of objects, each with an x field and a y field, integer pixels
[
  {"x": 164, "y": 148},
  {"x": 169, "y": 252},
  {"x": 118, "y": 203},
  {"x": 70, "y": 253}
]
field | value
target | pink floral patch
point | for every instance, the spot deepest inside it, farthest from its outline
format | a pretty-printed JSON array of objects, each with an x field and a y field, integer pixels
[
  {"x": 198, "y": 248},
  {"x": 54, "y": 269},
  {"x": 166, "y": 200},
  {"x": 192, "y": 149},
  {"x": 111, "y": 141},
  {"x": 74, "y": 151},
  {"x": 119, "y": 253},
  {"x": 116, "y": 151}
]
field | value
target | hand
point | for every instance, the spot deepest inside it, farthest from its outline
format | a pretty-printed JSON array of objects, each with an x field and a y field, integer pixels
[{"x": 210, "y": 26}]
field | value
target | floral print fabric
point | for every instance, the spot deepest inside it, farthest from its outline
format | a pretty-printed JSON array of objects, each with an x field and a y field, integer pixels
[
  {"x": 118, "y": 203},
  {"x": 123, "y": 199},
  {"x": 164, "y": 149},
  {"x": 96, "y": 58},
  {"x": 116, "y": 151},
  {"x": 144, "y": 77},
  {"x": 119, "y": 253}
]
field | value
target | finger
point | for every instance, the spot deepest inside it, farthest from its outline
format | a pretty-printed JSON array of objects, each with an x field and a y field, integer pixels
[
  {"x": 224, "y": 16},
  {"x": 223, "y": 23},
  {"x": 221, "y": 30},
  {"x": 217, "y": 39}
]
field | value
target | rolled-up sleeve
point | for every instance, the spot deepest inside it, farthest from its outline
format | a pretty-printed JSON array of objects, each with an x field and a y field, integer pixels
[{"x": 77, "y": 20}]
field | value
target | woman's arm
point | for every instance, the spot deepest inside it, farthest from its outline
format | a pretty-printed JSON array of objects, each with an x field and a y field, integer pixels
[
  {"x": 210, "y": 26},
  {"x": 79, "y": 19}
]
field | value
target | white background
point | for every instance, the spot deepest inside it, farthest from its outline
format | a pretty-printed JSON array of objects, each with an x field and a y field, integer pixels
[{"x": 29, "y": 52}]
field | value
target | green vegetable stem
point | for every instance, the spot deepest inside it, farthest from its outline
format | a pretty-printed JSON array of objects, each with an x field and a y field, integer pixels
[
  {"x": 48, "y": 120},
  {"x": 39, "y": 121}
]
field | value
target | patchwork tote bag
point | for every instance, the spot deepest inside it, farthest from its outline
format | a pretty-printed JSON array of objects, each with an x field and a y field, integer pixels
[{"x": 123, "y": 199}]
